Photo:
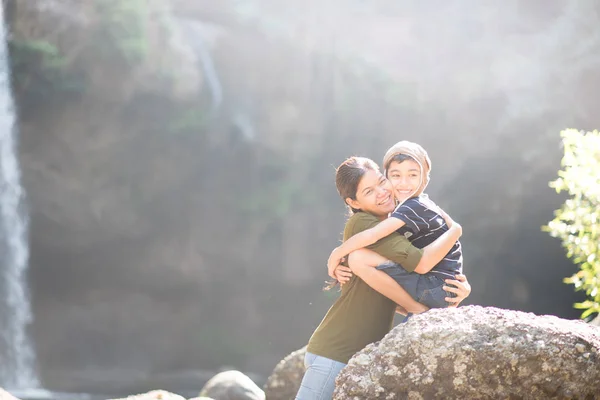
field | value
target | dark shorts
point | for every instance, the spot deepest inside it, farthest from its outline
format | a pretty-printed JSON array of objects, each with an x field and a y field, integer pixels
[{"x": 424, "y": 288}]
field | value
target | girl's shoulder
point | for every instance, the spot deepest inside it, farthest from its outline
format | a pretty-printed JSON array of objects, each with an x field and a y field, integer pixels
[
  {"x": 359, "y": 222},
  {"x": 360, "y": 217}
]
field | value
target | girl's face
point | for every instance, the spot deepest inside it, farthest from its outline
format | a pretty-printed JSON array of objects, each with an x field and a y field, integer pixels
[
  {"x": 405, "y": 178},
  {"x": 374, "y": 195}
]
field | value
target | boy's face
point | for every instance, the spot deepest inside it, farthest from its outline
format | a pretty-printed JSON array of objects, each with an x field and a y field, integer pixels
[{"x": 405, "y": 177}]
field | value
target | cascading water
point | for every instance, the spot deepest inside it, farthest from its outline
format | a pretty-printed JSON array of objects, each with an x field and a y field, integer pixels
[{"x": 17, "y": 358}]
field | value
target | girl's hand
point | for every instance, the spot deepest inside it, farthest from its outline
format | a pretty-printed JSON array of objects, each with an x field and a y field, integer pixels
[
  {"x": 333, "y": 262},
  {"x": 449, "y": 221},
  {"x": 342, "y": 274},
  {"x": 460, "y": 286}
]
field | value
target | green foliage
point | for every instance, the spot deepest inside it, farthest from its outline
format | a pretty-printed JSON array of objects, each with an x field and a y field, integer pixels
[
  {"x": 190, "y": 119},
  {"x": 47, "y": 55},
  {"x": 276, "y": 198},
  {"x": 219, "y": 345},
  {"x": 40, "y": 70},
  {"x": 577, "y": 222},
  {"x": 278, "y": 194},
  {"x": 123, "y": 29}
]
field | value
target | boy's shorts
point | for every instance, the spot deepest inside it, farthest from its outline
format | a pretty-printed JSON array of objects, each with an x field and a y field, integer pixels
[{"x": 424, "y": 288}]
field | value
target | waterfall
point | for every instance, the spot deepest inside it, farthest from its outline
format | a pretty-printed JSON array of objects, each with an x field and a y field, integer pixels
[
  {"x": 194, "y": 28},
  {"x": 17, "y": 357}
]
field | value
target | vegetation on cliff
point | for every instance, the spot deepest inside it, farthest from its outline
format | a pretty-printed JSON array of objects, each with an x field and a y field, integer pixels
[
  {"x": 115, "y": 48},
  {"x": 40, "y": 71},
  {"x": 577, "y": 222}
]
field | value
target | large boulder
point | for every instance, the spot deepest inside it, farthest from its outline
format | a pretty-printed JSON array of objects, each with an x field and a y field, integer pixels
[
  {"x": 154, "y": 395},
  {"x": 4, "y": 395},
  {"x": 477, "y": 352},
  {"x": 284, "y": 382},
  {"x": 232, "y": 385}
]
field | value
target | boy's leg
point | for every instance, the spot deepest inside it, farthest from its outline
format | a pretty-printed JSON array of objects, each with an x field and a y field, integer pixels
[
  {"x": 431, "y": 293},
  {"x": 366, "y": 257},
  {"x": 318, "y": 382},
  {"x": 364, "y": 264},
  {"x": 406, "y": 317},
  {"x": 408, "y": 280}
]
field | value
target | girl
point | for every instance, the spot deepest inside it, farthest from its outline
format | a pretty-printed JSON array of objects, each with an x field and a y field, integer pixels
[{"x": 362, "y": 315}]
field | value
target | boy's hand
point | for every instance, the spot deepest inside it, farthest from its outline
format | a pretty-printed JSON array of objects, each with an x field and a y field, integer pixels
[
  {"x": 342, "y": 274},
  {"x": 332, "y": 263}
]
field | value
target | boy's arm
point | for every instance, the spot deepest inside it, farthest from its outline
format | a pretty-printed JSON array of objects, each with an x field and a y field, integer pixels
[
  {"x": 394, "y": 247},
  {"x": 436, "y": 251},
  {"x": 362, "y": 239}
]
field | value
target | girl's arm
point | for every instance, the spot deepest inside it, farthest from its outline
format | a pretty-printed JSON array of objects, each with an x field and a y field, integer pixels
[{"x": 362, "y": 239}]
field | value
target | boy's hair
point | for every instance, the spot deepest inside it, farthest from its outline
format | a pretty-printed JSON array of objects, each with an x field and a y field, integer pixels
[
  {"x": 414, "y": 151},
  {"x": 349, "y": 174}
]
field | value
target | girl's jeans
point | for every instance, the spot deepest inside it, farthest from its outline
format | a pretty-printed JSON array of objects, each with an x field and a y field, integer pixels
[{"x": 319, "y": 379}]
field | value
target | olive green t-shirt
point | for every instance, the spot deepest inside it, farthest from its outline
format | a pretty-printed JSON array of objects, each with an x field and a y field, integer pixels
[{"x": 361, "y": 315}]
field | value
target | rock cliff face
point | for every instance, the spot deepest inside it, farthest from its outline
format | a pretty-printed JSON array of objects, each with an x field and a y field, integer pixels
[
  {"x": 180, "y": 154},
  {"x": 81, "y": 135}
]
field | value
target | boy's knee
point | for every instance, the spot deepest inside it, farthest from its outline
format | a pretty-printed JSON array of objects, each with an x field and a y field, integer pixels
[{"x": 357, "y": 257}]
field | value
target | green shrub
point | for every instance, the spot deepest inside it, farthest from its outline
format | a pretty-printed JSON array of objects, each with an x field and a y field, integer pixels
[
  {"x": 577, "y": 222},
  {"x": 40, "y": 70},
  {"x": 122, "y": 31}
]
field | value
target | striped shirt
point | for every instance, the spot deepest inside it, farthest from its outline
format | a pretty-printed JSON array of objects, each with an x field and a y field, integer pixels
[{"x": 423, "y": 225}]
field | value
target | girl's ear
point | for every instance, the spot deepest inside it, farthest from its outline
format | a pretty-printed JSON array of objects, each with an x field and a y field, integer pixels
[{"x": 353, "y": 203}]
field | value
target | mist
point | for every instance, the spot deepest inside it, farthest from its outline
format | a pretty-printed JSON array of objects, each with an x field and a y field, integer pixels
[{"x": 182, "y": 208}]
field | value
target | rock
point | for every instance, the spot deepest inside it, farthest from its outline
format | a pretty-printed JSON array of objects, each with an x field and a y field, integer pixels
[
  {"x": 232, "y": 385},
  {"x": 478, "y": 352},
  {"x": 155, "y": 395},
  {"x": 184, "y": 382},
  {"x": 4, "y": 395},
  {"x": 285, "y": 379}
]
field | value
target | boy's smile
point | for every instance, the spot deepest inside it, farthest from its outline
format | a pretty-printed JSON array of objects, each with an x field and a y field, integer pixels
[{"x": 405, "y": 177}]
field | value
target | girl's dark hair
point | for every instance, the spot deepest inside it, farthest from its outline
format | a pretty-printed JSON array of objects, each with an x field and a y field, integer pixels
[
  {"x": 347, "y": 177},
  {"x": 349, "y": 174}
]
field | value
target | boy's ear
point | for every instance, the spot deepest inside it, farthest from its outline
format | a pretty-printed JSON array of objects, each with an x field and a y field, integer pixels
[{"x": 353, "y": 203}]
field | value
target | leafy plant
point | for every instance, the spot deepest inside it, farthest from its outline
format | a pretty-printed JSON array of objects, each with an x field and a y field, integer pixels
[
  {"x": 577, "y": 222},
  {"x": 123, "y": 30},
  {"x": 40, "y": 70}
]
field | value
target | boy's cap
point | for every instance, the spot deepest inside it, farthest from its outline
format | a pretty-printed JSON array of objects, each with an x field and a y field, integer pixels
[{"x": 415, "y": 151}]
